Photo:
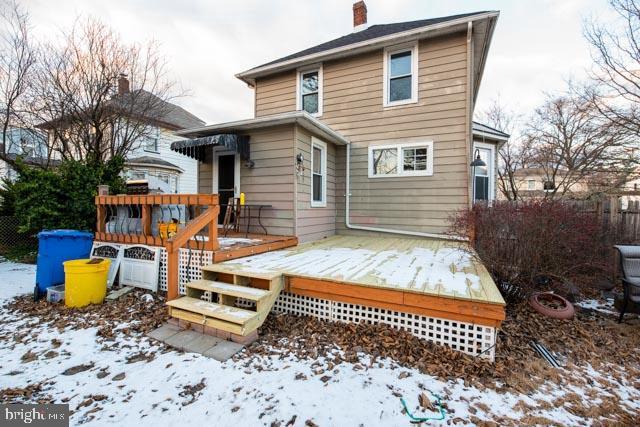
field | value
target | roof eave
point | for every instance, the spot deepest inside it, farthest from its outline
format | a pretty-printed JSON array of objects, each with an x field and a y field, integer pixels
[
  {"x": 301, "y": 118},
  {"x": 249, "y": 76},
  {"x": 174, "y": 168},
  {"x": 491, "y": 136},
  {"x": 483, "y": 59}
]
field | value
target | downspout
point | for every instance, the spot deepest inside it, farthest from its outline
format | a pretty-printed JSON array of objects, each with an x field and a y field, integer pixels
[
  {"x": 469, "y": 112},
  {"x": 347, "y": 220}
]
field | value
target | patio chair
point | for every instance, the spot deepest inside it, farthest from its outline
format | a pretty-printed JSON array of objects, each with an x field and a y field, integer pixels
[
  {"x": 630, "y": 264},
  {"x": 231, "y": 220}
]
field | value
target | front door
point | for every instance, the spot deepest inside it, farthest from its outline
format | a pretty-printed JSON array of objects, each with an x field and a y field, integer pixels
[{"x": 226, "y": 182}]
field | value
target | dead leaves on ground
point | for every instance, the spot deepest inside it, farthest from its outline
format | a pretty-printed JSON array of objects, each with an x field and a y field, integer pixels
[{"x": 139, "y": 313}]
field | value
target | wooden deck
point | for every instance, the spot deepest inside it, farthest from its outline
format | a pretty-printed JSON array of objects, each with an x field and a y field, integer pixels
[
  {"x": 236, "y": 245},
  {"x": 429, "y": 277}
]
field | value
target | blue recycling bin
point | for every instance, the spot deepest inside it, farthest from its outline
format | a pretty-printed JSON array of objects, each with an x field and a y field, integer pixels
[{"x": 55, "y": 247}]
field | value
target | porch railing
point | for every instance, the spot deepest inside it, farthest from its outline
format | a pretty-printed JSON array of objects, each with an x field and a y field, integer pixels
[{"x": 170, "y": 220}]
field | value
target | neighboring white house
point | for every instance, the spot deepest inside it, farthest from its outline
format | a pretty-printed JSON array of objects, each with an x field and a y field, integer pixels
[
  {"x": 151, "y": 158},
  {"x": 166, "y": 170}
]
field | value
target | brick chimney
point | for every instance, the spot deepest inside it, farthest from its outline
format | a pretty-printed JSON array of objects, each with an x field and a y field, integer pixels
[
  {"x": 123, "y": 84},
  {"x": 359, "y": 15}
]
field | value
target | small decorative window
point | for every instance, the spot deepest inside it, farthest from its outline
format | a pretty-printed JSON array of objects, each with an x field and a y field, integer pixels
[
  {"x": 415, "y": 159},
  {"x": 310, "y": 91},
  {"x": 400, "y": 76},
  {"x": 318, "y": 173},
  {"x": 531, "y": 184}
]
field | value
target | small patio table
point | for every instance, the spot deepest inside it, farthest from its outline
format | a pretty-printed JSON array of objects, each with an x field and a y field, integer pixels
[{"x": 248, "y": 208}]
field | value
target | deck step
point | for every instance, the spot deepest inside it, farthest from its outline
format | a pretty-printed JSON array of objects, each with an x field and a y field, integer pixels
[
  {"x": 211, "y": 309},
  {"x": 252, "y": 294},
  {"x": 238, "y": 271}
]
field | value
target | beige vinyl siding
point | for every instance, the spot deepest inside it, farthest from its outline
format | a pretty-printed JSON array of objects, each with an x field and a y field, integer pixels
[
  {"x": 276, "y": 95},
  {"x": 352, "y": 105},
  {"x": 269, "y": 182},
  {"x": 314, "y": 222},
  {"x": 205, "y": 177}
]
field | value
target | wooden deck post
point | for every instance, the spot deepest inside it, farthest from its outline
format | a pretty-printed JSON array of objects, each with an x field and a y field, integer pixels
[
  {"x": 146, "y": 220},
  {"x": 213, "y": 228},
  {"x": 101, "y": 213},
  {"x": 173, "y": 261}
]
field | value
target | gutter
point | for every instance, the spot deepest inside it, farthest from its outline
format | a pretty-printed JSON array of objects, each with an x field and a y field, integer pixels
[{"x": 347, "y": 220}]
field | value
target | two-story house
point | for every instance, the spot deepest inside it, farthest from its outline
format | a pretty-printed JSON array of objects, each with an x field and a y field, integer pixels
[
  {"x": 369, "y": 133},
  {"x": 151, "y": 157}
]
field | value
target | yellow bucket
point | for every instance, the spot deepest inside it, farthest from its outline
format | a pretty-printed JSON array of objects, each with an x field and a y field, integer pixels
[{"x": 85, "y": 281}]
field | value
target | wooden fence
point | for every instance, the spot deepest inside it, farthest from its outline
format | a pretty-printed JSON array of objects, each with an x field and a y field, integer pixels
[{"x": 619, "y": 214}]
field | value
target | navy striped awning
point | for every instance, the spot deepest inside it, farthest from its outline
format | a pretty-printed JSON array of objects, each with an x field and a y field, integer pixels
[{"x": 196, "y": 147}]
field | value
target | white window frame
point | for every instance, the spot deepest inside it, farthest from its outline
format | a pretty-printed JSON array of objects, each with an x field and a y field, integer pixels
[
  {"x": 307, "y": 70},
  {"x": 490, "y": 168},
  {"x": 400, "y": 159},
  {"x": 531, "y": 184},
  {"x": 315, "y": 142},
  {"x": 154, "y": 135},
  {"x": 413, "y": 48}
]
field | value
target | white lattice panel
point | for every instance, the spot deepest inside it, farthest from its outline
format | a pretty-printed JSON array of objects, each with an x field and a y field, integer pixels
[
  {"x": 162, "y": 280},
  {"x": 303, "y": 306},
  {"x": 462, "y": 336},
  {"x": 189, "y": 267}
]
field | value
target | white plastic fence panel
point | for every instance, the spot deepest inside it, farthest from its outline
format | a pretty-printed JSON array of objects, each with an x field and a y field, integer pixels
[
  {"x": 140, "y": 266},
  {"x": 111, "y": 251}
]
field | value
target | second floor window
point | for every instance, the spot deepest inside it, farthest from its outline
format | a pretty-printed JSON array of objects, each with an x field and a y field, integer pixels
[
  {"x": 400, "y": 76},
  {"x": 151, "y": 141},
  {"x": 310, "y": 91}
]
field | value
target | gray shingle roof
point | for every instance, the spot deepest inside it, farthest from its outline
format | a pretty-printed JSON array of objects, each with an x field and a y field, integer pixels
[
  {"x": 372, "y": 32},
  {"x": 163, "y": 111}
]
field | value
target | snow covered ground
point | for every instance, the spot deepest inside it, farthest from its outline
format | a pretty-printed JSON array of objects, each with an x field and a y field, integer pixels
[
  {"x": 16, "y": 279},
  {"x": 131, "y": 380}
]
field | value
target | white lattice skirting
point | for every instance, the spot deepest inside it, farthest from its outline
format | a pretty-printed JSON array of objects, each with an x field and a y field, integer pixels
[{"x": 466, "y": 337}]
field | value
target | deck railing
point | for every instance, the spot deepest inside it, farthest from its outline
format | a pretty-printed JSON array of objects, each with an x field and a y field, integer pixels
[{"x": 170, "y": 220}]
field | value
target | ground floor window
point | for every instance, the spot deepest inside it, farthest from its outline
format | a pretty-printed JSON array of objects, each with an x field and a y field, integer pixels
[
  {"x": 414, "y": 159},
  {"x": 318, "y": 173}
]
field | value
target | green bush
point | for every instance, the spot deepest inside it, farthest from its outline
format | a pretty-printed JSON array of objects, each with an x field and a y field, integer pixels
[{"x": 62, "y": 197}]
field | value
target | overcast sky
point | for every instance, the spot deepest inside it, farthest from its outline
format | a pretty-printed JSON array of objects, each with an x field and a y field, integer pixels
[{"x": 536, "y": 47}]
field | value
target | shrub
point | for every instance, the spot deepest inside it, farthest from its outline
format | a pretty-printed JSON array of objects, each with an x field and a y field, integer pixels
[
  {"x": 523, "y": 244},
  {"x": 62, "y": 197}
]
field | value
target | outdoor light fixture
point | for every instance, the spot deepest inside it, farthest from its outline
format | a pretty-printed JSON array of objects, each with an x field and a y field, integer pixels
[
  {"x": 249, "y": 164},
  {"x": 477, "y": 162}
]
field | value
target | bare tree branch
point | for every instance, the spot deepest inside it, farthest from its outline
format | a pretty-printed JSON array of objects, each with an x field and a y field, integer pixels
[
  {"x": 17, "y": 58},
  {"x": 97, "y": 96}
]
